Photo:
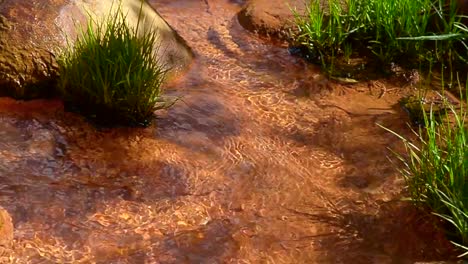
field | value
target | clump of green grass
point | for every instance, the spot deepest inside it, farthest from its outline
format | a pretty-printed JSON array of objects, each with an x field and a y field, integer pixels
[
  {"x": 416, "y": 31},
  {"x": 111, "y": 74},
  {"x": 436, "y": 169}
]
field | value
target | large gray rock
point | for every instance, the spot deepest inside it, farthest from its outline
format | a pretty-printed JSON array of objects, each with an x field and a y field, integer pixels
[{"x": 34, "y": 32}]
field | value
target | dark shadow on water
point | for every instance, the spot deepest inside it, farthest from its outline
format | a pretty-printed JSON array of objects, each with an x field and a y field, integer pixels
[
  {"x": 57, "y": 172},
  {"x": 367, "y": 232},
  {"x": 198, "y": 121},
  {"x": 207, "y": 244},
  {"x": 249, "y": 53},
  {"x": 356, "y": 139},
  {"x": 390, "y": 232},
  {"x": 215, "y": 39}
]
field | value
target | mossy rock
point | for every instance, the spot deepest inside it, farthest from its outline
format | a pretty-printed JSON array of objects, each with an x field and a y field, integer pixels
[{"x": 34, "y": 32}]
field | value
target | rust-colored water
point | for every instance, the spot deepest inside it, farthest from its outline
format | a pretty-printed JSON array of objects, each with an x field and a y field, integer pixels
[{"x": 262, "y": 162}]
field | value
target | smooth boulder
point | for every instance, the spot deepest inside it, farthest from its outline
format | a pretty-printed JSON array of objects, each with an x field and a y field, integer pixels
[
  {"x": 273, "y": 18},
  {"x": 34, "y": 32}
]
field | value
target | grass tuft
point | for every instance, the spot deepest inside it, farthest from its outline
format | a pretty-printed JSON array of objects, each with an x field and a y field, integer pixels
[
  {"x": 111, "y": 74},
  {"x": 436, "y": 169},
  {"x": 410, "y": 31}
]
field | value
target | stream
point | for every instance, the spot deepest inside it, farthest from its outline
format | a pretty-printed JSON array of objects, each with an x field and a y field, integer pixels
[{"x": 261, "y": 161}]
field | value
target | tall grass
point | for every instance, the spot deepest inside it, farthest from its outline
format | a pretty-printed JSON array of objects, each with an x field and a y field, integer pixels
[
  {"x": 417, "y": 31},
  {"x": 436, "y": 169},
  {"x": 111, "y": 73}
]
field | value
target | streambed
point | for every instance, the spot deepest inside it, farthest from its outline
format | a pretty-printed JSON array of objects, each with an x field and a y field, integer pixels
[{"x": 263, "y": 161}]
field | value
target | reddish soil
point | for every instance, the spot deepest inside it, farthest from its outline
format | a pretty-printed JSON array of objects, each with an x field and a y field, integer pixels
[{"x": 270, "y": 17}]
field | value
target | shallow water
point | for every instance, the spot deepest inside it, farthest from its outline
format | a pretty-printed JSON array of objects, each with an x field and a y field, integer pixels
[{"x": 263, "y": 161}]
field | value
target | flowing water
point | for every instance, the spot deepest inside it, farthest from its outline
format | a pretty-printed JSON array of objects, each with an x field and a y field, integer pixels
[{"x": 263, "y": 161}]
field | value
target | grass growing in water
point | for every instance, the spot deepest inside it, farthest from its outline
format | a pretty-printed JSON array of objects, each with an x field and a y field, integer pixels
[
  {"x": 413, "y": 31},
  {"x": 111, "y": 74},
  {"x": 436, "y": 170}
]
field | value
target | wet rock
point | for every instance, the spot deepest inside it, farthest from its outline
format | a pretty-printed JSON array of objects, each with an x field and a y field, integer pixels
[
  {"x": 271, "y": 17},
  {"x": 6, "y": 230},
  {"x": 33, "y": 33},
  {"x": 275, "y": 17}
]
